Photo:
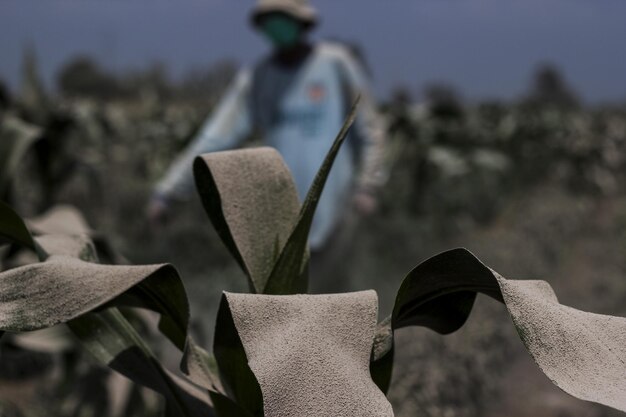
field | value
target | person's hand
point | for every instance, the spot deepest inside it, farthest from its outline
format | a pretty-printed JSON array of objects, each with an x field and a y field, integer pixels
[
  {"x": 365, "y": 203},
  {"x": 158, "y": 211}
]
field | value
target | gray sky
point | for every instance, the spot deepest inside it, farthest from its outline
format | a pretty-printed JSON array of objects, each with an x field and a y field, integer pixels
[{"x": 487, "y": 48}]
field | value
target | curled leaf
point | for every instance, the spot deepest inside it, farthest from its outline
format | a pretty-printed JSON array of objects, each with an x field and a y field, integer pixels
[
  {"x": 582, "y": 353},
  {"x": 65, "y": 286},
  {"x": 62, "y": 288},
  {"x": 253, "y": 204}
]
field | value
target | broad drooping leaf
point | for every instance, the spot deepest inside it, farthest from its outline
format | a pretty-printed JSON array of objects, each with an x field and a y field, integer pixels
[
  {"x": 67, "y": 289},
  {"x": 252, "y": 202},
  {"x": 289, "y": 275},
  {"x": 163, "y": 292},
  {"x": 582, "y": 353},
  {"x": 65, "y": 277},
  {"x": 16, "y": 137},
  {"x": 311, "y": 353},
  {"x": 62, "y": 288}
]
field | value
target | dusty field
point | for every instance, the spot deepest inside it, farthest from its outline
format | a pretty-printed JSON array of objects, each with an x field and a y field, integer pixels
[{"x": 549, "y": 206}]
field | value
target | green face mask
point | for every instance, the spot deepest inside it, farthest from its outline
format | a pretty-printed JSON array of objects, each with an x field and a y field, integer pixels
[{"x": 283, "y": 31}]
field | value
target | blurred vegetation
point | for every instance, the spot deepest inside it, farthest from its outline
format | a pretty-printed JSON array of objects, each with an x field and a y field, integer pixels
[
  {"x": 532, "y": 186},
  {"x": 83, "y": 77}
]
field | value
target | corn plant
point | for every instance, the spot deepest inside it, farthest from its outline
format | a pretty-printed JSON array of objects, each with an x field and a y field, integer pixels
[{"x": 278, "y": 351}]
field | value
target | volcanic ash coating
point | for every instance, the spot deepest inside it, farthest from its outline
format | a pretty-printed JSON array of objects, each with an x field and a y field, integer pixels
[{"x": 311, "y": 353}]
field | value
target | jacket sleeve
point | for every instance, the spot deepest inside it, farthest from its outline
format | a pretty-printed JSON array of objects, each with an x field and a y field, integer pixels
[
  {"x": 370, "y": 126},
  {"x": 225, "y": 129}
]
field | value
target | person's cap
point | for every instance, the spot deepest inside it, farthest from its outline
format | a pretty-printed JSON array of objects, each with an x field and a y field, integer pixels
[{"x": 299, "y": 9}]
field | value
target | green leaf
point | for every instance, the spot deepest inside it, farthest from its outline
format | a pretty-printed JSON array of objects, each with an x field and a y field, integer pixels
[
  {"x": 440, "y": 292},
  {"x": 582, "y": 353},
  {"x": 13, "y": 229},
  {"x": 290, "y": 274},
  {"x": 112, "y": 340},
  {"x": 251, "y": 199},
  {"x": 16, "y": 137},
  {"x": 310, "y": 353},
  {"x": 240, "y": 382}
]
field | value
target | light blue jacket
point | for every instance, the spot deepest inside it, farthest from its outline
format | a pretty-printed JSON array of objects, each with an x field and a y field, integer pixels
[{"x": 299, "y": 112}]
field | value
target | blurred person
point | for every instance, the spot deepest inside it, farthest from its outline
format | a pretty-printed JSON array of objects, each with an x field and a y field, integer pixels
[{"x": 297, "y": 98}]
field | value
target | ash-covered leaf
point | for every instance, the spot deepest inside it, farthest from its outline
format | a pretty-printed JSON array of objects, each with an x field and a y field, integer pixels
[
  {"x": 252, "y": 201},
  {"x": 63, "y": 288},
  {"x": 582, "y": 353},
  {"x": 311, "y": 353}
]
